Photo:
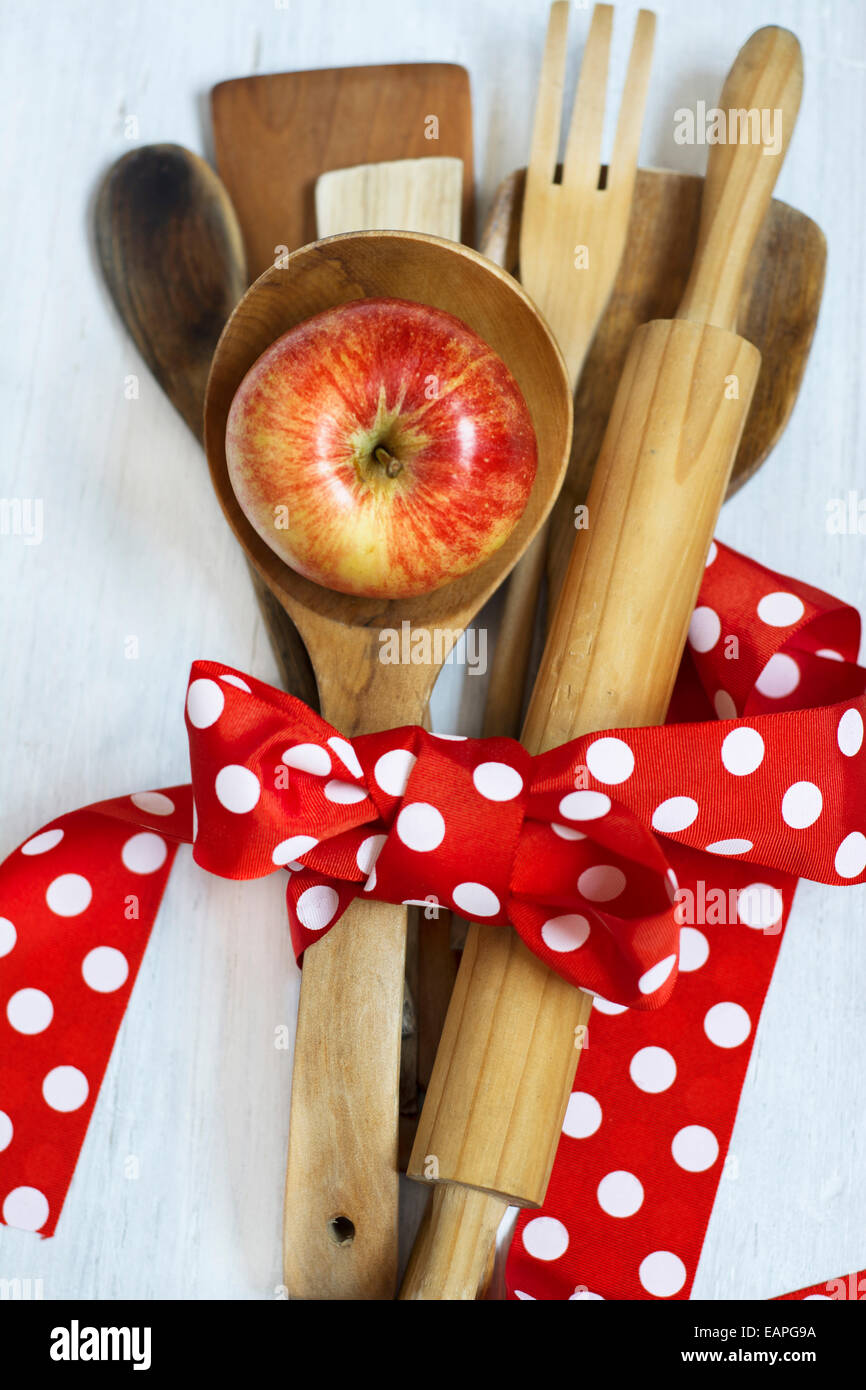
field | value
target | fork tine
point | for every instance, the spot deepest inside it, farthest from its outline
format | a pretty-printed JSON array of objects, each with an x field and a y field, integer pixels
[
  {"x": 548, "y": 106},
  {"x": 623, "y": 161},
  {"x": 583, "y": 150}
]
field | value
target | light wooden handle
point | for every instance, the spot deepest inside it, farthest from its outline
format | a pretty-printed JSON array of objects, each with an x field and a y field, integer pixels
[
  {"x": 759, "y": 105},
  {"x": 340, "y": 1229},
  {"x": 507, "y": 1057}
]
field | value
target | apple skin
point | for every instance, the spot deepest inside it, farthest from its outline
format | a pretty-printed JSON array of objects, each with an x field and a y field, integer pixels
[{"x": 381, "y": 448}]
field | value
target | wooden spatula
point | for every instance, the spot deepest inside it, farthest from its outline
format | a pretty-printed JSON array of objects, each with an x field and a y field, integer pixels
[
  {"x": 506, "y": 1063},
  {"x": 275, "y": 135}
]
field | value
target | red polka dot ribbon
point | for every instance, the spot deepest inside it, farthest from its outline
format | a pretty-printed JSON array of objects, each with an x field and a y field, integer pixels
[{"x": 603, "y": 854}]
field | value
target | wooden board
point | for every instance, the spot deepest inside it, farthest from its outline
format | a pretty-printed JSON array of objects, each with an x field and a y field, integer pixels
[{"x": 274, "y": 136}]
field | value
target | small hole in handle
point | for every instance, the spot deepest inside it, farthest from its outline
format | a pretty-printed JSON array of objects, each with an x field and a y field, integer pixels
[{"x": 341, "y": 1230}]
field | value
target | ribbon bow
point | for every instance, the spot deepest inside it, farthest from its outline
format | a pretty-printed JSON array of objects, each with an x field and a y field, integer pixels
[
  {"x": 581, "y": 848},
  {"x": 575, "y": 847}
]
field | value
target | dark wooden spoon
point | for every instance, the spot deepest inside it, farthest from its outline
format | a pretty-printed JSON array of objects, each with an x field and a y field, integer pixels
[{"x": 172, "y": 257}]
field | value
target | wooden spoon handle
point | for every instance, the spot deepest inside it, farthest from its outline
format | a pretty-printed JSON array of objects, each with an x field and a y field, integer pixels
[{"x": 759, "y": 105}]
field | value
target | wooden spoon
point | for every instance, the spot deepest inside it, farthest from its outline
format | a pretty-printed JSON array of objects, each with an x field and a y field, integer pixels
[
  {"x": 341, "y": 1190},
  {"x": 170, "y": 250}
]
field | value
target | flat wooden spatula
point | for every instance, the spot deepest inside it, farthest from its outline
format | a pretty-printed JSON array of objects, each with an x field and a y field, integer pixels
[{"x": 275, "y": 135}]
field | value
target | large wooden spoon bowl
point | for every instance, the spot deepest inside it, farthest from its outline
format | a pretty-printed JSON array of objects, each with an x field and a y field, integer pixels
[{"x": 341, "y": 1192}]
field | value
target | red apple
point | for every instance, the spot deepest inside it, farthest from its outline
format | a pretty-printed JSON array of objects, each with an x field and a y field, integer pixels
[{"x": 381, "y": 448}]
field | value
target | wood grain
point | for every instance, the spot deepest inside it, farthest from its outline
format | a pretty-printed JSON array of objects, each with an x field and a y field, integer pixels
[
  {"x": 274, "y": 135},
  {"x": 171, "y": 254},
  {"x": 778, "y": 311},
  {"x": 343, "y": 1133}
]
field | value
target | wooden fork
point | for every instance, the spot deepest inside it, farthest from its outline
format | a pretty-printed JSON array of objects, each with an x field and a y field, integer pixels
[{"x": 572, "y": 235}]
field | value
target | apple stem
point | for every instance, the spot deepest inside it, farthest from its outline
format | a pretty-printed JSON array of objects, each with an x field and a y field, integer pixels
[{"x": 391, "y": 465}]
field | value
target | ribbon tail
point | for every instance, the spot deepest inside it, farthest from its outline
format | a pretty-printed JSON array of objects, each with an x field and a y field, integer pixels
[{"x": 77, "y": 904}]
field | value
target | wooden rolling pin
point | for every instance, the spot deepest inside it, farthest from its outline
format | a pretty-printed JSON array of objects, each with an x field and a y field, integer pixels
[{"x": 505, "y": 1067}]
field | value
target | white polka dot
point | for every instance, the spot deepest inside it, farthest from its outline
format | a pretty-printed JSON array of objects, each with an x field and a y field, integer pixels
[
  {"x": 545, "y": 1238},
  {"x": 105, "y": 969},
  {"x": 344, "y": 793},
  {"x": 620, "y": 1193},
  {"x": 849, "y": 734},
  {"x": 565, "y": 933},
  {"x": 801, "y": 805},
  {"x": 727, "y": 1024},
  {"x": 607, "y": 1006},
  {"x": 705, "y": 629},
  {"x": 316, "y": 906},
  {"x": 29, "y": 1011},
  {"x": 392, "y": 770},
  {"x": 662, "y": 1273},
  {"x": 582, "y": 1115},
  {"x": 760, "y": 905},
  {"x": 497, "y": 781},
  {"x": 524, "y": 1297},
  {"x": 817, "y": 1298},
  {"x": 711, "y": 554},
  {"x": 347, "y": 755},
  {"x": 851, "y": 855},
  {"x": 652, "y": 1069},
  {"x": 40, "y": 844},
  {"x": 308, "y": 757},
  {"x": 8, "y": 936},
  {"x": 610, "y": 760},
  {"x": 601, "y": 883},
  {"x": 144, "y": 853},
  {"x": 695, "y": 1148},
  {"x": 204, "y": 703},
  {"x": 68, "y": 895},
  {"x": 153, "y": 803},
  {"x": 289, "y": 850},
  {"x": 368, "y": 852},
  {"x": 584, "y": 805},
  {"x": 6, "y": 1131},
  {"x": 194, "y": 823},
  {"x": 742, "y": 751},
  {"x": 567, "y": 832},
  {"x": 237, "y": 789},
  {"x": 582, "y": 1295},
  {"x": 420, "y": 826},
  {"x": 828, "y": 654},
  {"x": 655, "y": 977},
  {"x": 677, "y": 813},
  {"x": 237, "y": 682},
  {"x": 694, "y": 949},
  {"x": 780, "y": 677},
  {"x": 475, "y": 900},
  {"x": 780, "y": 609},
  {"x": 25, "y": 1208},
  {"x": 729, "y": 847},
  {"x": 724, "y": 705},
  {"x": 65, "y": 1089}
]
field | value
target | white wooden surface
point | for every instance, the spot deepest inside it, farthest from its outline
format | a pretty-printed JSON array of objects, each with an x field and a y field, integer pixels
[{"x": 135, "y": 546}]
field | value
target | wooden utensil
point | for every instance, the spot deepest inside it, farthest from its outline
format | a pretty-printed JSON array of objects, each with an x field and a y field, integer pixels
[
  {"x": 171, "y": 254},
  {"x": 506, "y": 1063},
  {"x": 407, "y": 195},
  {"x": 341, "y": 1192},
  {"x": 572, "y": 235},
  {"x": 402, "y": 195},
  {"x": 778, "y": 312},
  {"x": 275, "y": 135}
]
